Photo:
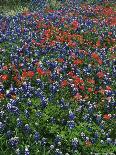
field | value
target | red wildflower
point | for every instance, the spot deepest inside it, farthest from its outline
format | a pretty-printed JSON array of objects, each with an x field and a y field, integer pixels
[
  {"x": 90, "y": 90},
  {"x": 98, "y": 43},
  {"x": 52, "y": 43},
  {"x": 102, "y": 91},
  {"x": 30, "y": 74},
  {"x": 4, "y": 77},
  {"x": 113, "y": 21},
  {"x": 99, "y": 61},
  {"x": 86, "y": 97},
  {"x": 95, "y": 92},
  {"x": 107, "y": 116},
  {"x": 82, "y": 87},
  {"x": 78, "y": 96},
  {"x": 100, "y": 74},
  {"x": 107, "y": 11},
  {"x": 36, "y": 43},
  {"x": 64, "y": 83},
  {"x": 71, "y": 73},
  {"x": 72, "y": 44},
  {"x": 33, "y": 41},
  {"x": 40, "y": 71},
  {"x": 15, "y": 78},
  {"x": 95, "y": 55},
  {"x": 24, "y": 74},
  {"x": 60, "y": 60},
  {"x": 73, "y": 55},
  {"x": 77, "y": 80},
  {"x": 47, "y": 72},
  {"x": 108, "y": 88},
  {"x": 91, "y": 81},
  {"x": 88, "y": 143},
  {"x": 75, "y": 24},
  {"x": 84, "y": 52},
  {"x": 78, "y": 62},
  {"x": 63, "y": 19},
  {"x": 1, "y": 96},
  {"x": 5, "y": 68}
]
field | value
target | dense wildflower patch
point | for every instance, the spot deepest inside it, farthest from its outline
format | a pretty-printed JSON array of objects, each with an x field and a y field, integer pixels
[{"x": 57, "y": 81}]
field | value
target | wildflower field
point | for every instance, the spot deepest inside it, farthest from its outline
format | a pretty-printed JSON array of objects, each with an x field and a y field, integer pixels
[{"x": 57, "y": 79}]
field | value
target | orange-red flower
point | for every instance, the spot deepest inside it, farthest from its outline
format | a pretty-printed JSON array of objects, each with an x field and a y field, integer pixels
[
  {"x": 95, "y": 55},
  {"x": 100, "y": 74},
  {"x": 72, "y": 44},
  {"x": 75, "y": 24},
  {"x": 4, "y": 77},
  {"x": 99, "y": 61},
  {"x": 47, "y": 72},
  {"x": 91, "y": 81},
  {"x": 107, "y": 116},
  {"x": 64, "y": 83},
  {"x": 84, "y": 52},
  {"x": 71, "y": 73},
  {"x": 5, "y": 68},
  {"x": 78, "y": 62},
  {"x": 98, "y": 43},
  {"x": 78, "y": 96},
  {"x": 102, "y": 91},
  {"x": 40, "y": 71},
  {"x": 82, "y": 87},
  {"x": 60, "y": 60},
  {"x": 30, "y": 74},
  {"x": 24, "y": 74},
  {"x": 88, "y": 143},
  {"x": 90, "y": 90},
  {"x": 108, "y": 88},
  {"x": 77, "y": 80},
  {"x": 1, "y": 96}
]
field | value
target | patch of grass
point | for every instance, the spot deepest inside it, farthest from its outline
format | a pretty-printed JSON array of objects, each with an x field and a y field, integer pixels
[{"x": 12, "y": 8}]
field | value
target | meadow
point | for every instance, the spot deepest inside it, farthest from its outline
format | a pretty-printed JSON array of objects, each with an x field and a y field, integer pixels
[{"x": 57, "y": 78}]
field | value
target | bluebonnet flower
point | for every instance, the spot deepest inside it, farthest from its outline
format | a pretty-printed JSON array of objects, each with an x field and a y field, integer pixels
[
  {"x": 63, "y": 121},
  {"x": 83, "y": 135},
  {"x": 71, "y": 124},
  {"x": 13, "y": 109},
  {"x": 36, "y": 136},
  {"x": 43, "y": 141},
  {"x": 44, "y": 103},
  {"x": 71, "y": 115},
  {"x": 27, "y": 152},
  {"x": 9, "y": 133},
  {"x": 27, "y": 113},
  {"x": 29, "y": 103},
  {"x": 58, "y": 152},
  {"x": 13, "y": 142},
  {"x": 52, "y": 147},
  {"x": 27, "y": 128},
  {"x": 75, "y": 143},
  {"x": 102, "y": 141},
  {"x": 1, "y": 127},
  {"x": 98, "y": 118},
  {"x": 93, "y": 140},
  {"x": 53, "y": 120},
  {"x": 57, "y": 139},
  {"x": 96, "y": 135},
  {"x": 19, "y": 122},
  {"x": 109, "y": 140},
  {"x": 38, "y": 113}
]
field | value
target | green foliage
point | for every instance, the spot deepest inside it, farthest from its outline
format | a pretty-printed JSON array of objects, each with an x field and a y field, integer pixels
[{"x": 54, "y": 4}]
